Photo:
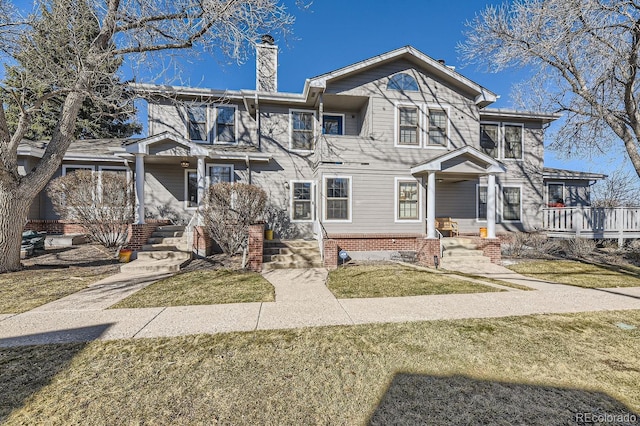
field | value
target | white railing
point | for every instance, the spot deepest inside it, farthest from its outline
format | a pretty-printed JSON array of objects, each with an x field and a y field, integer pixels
[
  {"x": 195, "y": 221},
  {"x": 320, "y": 233},
  {"x": 592, "y": 220}
]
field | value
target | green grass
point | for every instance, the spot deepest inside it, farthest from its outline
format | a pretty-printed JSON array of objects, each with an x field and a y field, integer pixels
[
  {"x": 518, "y": 370},
  {"x": 30, "y": 288},
  {"x": 580, "y": 274},
  {"x": 207, "y": 287},
  {"x": 394, "y": 281}
]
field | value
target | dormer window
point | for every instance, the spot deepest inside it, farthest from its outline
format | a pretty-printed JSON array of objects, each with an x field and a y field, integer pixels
[{"x": 402, "y": 82}]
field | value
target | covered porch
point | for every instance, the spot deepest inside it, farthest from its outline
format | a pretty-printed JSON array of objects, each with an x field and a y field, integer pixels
[{"x": 468, "y": 165}]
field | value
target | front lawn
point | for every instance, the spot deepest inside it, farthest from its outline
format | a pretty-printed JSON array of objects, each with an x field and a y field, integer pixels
[
  {"x": 208, "y": 287},
  {"x": 363, "y": 281},
  {"x": 580, "y": 274},
  {"x": 543, "y": 369}
]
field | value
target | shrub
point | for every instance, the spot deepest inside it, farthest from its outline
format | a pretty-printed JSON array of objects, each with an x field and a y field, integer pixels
[{"x": 102, "y": 202}]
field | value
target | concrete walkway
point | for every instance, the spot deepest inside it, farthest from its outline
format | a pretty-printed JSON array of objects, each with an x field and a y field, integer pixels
[{"x": 302, "y": 300}]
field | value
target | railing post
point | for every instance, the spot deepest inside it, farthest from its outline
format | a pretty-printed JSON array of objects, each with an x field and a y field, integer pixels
[{"x": 620, "y": 225}]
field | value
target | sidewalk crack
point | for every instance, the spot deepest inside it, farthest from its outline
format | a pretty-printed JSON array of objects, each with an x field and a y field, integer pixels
[
  {"x": 258, "y": 319},
  {"x": 148, "y": 322}
]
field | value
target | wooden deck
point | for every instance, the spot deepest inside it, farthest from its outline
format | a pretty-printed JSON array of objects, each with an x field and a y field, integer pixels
[{"x": 619, "y": 223}]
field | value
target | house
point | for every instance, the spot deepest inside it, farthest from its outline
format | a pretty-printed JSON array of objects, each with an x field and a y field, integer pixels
[{"x": 365, "y": 158}]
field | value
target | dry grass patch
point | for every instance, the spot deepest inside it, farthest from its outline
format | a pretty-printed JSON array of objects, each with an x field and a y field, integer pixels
[
  {"x": 519, "y": 370},
  {"x": 580, "y": 274},
  {"x": 28, "y": 289},
  {"x": 362, "y": 281},
  {"x": 205, "y": 287}
]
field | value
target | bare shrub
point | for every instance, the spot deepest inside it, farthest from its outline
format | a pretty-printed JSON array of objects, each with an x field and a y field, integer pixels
[
  {"x": 229, "y": 210},
  {"x": 101, "y": 202},
  {"x": 579, "y": 247},
  {"x": 529, "y": 244}
]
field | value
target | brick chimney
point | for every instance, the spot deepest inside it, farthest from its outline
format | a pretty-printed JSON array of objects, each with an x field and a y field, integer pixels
[{"x": 267, "y": 65}]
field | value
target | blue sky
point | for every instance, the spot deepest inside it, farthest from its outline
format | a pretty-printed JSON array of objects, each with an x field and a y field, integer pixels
[{"x": 334, "y": 33}]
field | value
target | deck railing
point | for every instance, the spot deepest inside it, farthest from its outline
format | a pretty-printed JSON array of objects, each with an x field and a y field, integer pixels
[{"x": 593, "y": 222}]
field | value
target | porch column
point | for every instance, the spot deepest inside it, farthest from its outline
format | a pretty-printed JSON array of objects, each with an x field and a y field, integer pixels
[
  {"x": 491, "y": 206},
  {"x": 140, "y": 188},
  {"x": 431, "y": 205},
  {"x": 201, "y": 180}
]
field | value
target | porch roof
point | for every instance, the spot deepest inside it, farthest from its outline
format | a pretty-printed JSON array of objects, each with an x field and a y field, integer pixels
[{"x": 466, "y": 160}]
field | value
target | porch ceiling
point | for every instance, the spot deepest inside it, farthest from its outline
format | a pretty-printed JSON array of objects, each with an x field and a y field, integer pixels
[{"x": 466, "y": 161}]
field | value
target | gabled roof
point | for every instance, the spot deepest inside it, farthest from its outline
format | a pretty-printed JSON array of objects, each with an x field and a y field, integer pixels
[
  {"x": 552, "y": 173},
  {"x": 491, "y": 165},
  {"x": 483, "y": 98}
]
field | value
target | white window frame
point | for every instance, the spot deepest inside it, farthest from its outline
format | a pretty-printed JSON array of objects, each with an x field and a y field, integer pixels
[
  {"x": 498, "y": 202},
  {"x": 314, "y": 131},
  {"x": 336, "y": 114},
  {"x": 447, "y": 113},
  {"x": 207, "y": 178},
  {"x": 186, "y": 189},
  {"x": 311, "y": 201},
  {"x": 502, "y": 203},
  {"x": 325, "y": 199},
  {"x": 420, "y": 130},
  {"x": 396, "y": 198},
  {"x": 499, "y": 141},
  {"x": 207, "y": 125},
  {"x": 215, "y": 124},
  {"x": 503, "y": 141},
  {"x": 77, "y": 166},
  {"x": 564, "y": 191}
]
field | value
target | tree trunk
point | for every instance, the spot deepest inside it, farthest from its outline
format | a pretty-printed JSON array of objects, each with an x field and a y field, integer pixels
[{"x": 13, "y": 217}]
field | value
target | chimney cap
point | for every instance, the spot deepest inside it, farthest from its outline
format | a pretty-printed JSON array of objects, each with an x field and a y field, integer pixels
[
  {"x": 442, "y": 61},
  {"x": 268, "y": 39}
]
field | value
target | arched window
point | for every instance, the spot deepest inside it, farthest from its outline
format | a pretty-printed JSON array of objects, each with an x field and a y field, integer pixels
[{"x": 402, "y": 82}]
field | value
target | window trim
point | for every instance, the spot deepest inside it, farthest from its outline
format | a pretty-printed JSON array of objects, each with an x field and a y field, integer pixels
[
  {"x": 499, "y": 141},
  {"x": 447, "y": 113},
  {"x": 207, "y": 123},
  {"x": 186, "y": 189},
  {"x": 314, "y": 130},
  {"x": 400, "y": 89},
  {"x": 420, "y": 130},
  {"x": 209, "y": 166},
  {"x": 397, "y": 218},
  {"x": 325, "y": 199},
  {"x": 503, "y": 141},
  {"x": 502, "y": 204},
  {"x": 335, "y": 114},
  {"x": 311, "y": 201},
  {"x": 77, "y": 166},
  {"x": 215, "y": 124},
  {"x": 564, "y": 193}
]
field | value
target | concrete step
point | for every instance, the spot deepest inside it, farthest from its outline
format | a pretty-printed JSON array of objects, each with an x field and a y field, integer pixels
[
  {"x": 291, "y": 265},
  {"x": 166, "y": 234},
  {"x": 141, "y": 266},
  {"x": 161, "y": 255},
  {"x": 171, "y": 228},
  {"x": 457, "y": 243},
  {"x": 290, "y": 243},
  {"x": 165, "y": 247},
  {"x": 464, "y": 261},
  {"x": 167, "y": 240},
  {"x": 287, "y": 258},
  {"x": 459, "y": 252}
]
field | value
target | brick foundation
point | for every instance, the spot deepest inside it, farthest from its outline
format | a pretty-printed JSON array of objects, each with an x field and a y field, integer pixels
[
  {"x": 375, "y": 242},
  {"x": 54, "y": 227},
  {"x": 330, "y": 255},
  {"x": 202, "y": 242},
  {"x": 256, "y": 246},
  {"x": 427, "y": 249},
  {"x": 490, "y": 247}
]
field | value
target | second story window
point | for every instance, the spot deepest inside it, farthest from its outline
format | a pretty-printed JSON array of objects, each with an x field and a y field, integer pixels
[
  {"x": 489, "y": 138},
  {"x": 502, "y": 141},
  {"x": 513, "y": 141},
  {"x": 302, "y": 130},
  {"x": 197, "y": 126},
  {"x": 225, "y": 124},
  {"x": 408, "y": 132},
  {"x": 332, "y": 124},
  {"x": 437, "y": 127}
]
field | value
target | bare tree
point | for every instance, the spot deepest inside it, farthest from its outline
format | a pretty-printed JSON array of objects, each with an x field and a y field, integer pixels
[
  {"x": 229, "y": 210},
  {"x": 102, "y": 202},
  {"x": 619, "y": 189},
  {"x": 584, "y": 58},
  {"x": 57, "y": 52}
]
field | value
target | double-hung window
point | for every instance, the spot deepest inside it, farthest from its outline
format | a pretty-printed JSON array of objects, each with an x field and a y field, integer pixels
[
  {"x": 438, "y": 127},
  {"x": 408, "y": 126},
  {"x": 511, "y": 203},
  {"x": 302, "y": 130},
  {"x": 513, "y": 141},
  {"x": 489, "y": 138},
  {"x": 408, "y": 200},
  {"x": 338, "y": 198},
  {"x": 219, "y": 173},
  {"x": 225, "y": 124},
  {"x": 197, "y": 123},
  {"x": 301, "y": 201}
]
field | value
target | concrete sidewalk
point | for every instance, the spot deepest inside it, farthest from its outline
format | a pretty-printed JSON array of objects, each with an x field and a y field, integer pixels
[{"x": 302, "y": 300}]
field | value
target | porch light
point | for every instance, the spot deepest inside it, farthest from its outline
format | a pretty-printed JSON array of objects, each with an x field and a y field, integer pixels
[{"x": 184, "y": 164}]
